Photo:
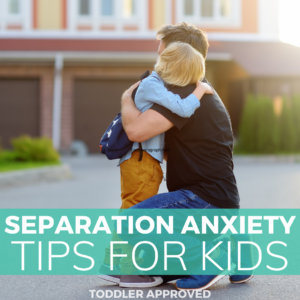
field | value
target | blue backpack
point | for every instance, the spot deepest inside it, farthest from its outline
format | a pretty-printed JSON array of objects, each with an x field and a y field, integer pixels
[{"x": 115, "y": 143}]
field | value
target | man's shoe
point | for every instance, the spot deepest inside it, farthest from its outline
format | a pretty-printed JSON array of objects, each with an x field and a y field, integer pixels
[
  {"x": 140, "y": 281},
  {"x": 247, "y": 261},
  {"x": 198, "y": 282},
  {"x": 238, "y": 279}
]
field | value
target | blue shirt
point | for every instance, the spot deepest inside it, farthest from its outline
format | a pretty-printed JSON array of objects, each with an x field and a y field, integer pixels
[{"x": 152, "y": 90}]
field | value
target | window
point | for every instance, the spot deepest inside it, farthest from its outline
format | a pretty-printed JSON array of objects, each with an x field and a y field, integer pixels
[
  {"x": 129, "y": 8},
  {"x": 188, "y": 7},
  {"x": 207, "y": 8},
  {"x": 84, "y": 7},
  {"x": 225, "y": 8},
  {"x": 14, "y": 7},
  {"x": 210, "y": 12},
  {"x": 107, "y": 7}
]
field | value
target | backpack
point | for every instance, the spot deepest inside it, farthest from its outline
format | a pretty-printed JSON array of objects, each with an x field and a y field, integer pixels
[{"x": 115, "y": 143}]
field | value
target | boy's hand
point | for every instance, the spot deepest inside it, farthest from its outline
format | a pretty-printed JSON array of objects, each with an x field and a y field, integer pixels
[
  {"x": 206, "y": 88},
  {"x": 127, "y": 94}
]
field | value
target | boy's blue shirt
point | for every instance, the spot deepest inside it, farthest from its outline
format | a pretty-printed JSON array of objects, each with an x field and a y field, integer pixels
[{"x": 150, "y": 91}]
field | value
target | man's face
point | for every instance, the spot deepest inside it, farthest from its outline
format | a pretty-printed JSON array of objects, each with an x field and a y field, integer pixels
[{"x": 161, "y": 47}]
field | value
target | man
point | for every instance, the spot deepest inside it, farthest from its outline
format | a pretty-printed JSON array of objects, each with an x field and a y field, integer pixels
[{"x": 199, "y": 163}]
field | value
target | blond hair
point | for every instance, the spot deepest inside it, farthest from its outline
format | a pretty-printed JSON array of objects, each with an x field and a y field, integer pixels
[
  {"x": 185, "y": 33},
  {"x": 180, "y": 64}
]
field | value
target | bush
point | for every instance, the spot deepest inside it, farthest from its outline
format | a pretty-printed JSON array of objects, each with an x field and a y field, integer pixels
[
  {"x": 261, "y": 131},
  {"x": 26, "y": 148},
  {"x": 287, "y": 129},
  {"x": 267, "y": 138},
  {"x": 247, "y": 140},
  {"x": 296, "y": 117}
]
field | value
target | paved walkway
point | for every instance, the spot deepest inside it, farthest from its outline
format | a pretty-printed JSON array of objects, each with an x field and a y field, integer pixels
[{"x": 96, "y": 185}]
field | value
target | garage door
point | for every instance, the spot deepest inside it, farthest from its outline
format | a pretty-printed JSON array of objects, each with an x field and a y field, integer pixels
[
  {"x": 96, "y": 103},
  {"x": 19, "y": 109}
]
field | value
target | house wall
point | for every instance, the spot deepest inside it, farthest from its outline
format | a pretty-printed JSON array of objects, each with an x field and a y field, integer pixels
[{"x": 256, "y": 17}]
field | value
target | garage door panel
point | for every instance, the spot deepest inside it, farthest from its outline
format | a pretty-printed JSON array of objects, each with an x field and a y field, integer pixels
[
  {"x": 96, "y": 103},
  {"x": 19, "y": 108}
]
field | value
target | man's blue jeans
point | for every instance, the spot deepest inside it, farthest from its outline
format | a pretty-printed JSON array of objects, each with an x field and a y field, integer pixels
[{"x": 182, "y": 199}]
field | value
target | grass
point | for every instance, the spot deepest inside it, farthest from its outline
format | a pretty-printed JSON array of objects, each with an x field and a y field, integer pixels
[{"x": 7, "y": 166}]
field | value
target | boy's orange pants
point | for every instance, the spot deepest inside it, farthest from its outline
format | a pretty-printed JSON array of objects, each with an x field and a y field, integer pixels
[{"x": 140, "y": 180}]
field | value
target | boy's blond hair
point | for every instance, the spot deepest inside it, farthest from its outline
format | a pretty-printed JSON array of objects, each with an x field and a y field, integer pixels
[{"x": 180, "y": 64}]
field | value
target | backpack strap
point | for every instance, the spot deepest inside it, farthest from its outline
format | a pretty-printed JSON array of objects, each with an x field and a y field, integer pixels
[
  {"x": 141, "y": 152},
  {"x": 145, "y": 75}
]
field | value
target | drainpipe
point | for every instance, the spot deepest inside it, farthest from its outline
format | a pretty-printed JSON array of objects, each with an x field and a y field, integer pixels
[{"x": 57, "y": 100}]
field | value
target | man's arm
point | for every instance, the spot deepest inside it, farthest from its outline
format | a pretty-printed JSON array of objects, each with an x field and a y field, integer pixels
[{"x": 141, "y": 127}]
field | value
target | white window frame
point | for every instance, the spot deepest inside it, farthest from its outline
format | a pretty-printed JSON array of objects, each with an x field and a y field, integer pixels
[
  {"x": 23, "y": 18},
  {"x": 216, "y": 21},
  {"x": 83, "y": 17},
  {"x": 96, "y": 20},
  {"x": 107, "y": 17},
  {"x": 19, "y": 14}
]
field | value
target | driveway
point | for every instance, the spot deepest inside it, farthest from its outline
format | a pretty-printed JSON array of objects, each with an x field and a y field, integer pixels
[{"x": 96, "y": 184}]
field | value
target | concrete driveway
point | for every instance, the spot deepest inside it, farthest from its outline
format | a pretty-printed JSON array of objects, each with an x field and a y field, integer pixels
[{"x": 96, "y": 185}]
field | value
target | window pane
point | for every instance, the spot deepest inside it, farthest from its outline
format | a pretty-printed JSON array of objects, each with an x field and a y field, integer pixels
[
  {"x": 188, "y": 7},
  {"x": 107, "y": 7},
  {"x": 14, "y": 7},
  {"x": 207, "y": 8},
  {"x": 129, "y": 8},
  {"x": 225, "y": 7},
  {"x": 84, "y": 7}
]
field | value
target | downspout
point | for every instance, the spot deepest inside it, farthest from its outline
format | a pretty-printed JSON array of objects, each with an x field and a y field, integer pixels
[{"x": 57, "y": 101}]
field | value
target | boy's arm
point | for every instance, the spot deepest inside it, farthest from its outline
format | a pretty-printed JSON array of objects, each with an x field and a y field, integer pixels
[{"x": 156, "y": 92}]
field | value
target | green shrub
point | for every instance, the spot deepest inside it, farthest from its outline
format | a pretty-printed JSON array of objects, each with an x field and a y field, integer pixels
[
  {"x": 8, "y": 156},
  {"x": 296, "y": 117},
  {"x": 26, "y": 148},
  {"x": 267, "y": 138},
  {"x": 261, "y": 131},
  {"x": 247, "y": 139},
  {"x": 287, "y": 129}
]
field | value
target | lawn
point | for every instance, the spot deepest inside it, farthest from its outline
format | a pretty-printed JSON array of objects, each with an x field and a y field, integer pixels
[{"x": 6, "y": 166}]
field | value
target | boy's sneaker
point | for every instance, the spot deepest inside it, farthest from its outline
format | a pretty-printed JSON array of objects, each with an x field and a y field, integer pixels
[
  {"x": 140, "y": 281},
  {"x": 111, "y": 278},
  {"x": 105, "y": 269}
]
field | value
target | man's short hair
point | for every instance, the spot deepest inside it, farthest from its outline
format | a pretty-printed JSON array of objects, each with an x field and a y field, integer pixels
[{"x": 185, "y": 33}]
